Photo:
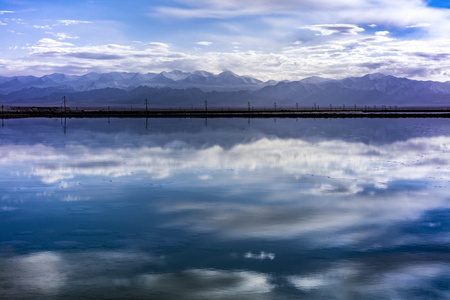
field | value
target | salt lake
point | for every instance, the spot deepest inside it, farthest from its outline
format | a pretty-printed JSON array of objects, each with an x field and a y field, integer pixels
[{"x": 225, "y": 208}]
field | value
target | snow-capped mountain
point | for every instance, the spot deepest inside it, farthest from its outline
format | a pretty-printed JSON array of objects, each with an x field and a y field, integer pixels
[
  {"x": 175, "y": 75},
  {"x": 224, "y": 89},
  {"x": 372, "y": 89},
  {"x": 225, "y": 81}
]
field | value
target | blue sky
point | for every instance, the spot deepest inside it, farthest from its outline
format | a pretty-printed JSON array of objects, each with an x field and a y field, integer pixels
[{"x": 283, "y": 39}]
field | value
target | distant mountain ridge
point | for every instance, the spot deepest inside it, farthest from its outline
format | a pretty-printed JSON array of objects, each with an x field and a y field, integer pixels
[
  {"x": 225, "y": 81},
  {"x": 227, "y": 89}
]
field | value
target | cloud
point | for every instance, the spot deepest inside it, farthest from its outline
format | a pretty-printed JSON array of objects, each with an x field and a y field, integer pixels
[
  {"x": 325, "y": 279},
  {"x": 293, "y": 63},
  {"x": 125, "y": 274},
  {"x": 432, "y": 56},
  {"x": 382, "y": 33},
  {"x": 208, "y": 284},
  {"x": 2, "y": 12},
  {"x": 380, "y": 12},
  {"x": 420, "y": 25},
  {"x": 403, "y": 278},
  {"x": 119, "y": 274},
  {"x": 42, "y": 27},
  {"x": 261, "y": 256},
  {"x": 64, "y": 36},
  {"x": 329, "y": 45},
  {"x": 328, "y": 29},
  {"x": 264, "y": 154},
  {"x": 50, "y": 43},
  {"x": 73, "y": 22},
  {"x": 235, "y": 8},
  {"x": 37, "y": 273},
  {"x": 51, "y": 274},
  {"x": 90, "y": 55},
  {"x": 204, "y": 43},
  {"x": 53, "y": 49},
  {"x": 158, "y": 46},
  {"x": 267, "y": 56},
  {"x": 368, "y": 177}
]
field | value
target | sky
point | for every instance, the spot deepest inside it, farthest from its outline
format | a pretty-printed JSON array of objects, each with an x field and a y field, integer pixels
[{"x": 265, "y": 39}]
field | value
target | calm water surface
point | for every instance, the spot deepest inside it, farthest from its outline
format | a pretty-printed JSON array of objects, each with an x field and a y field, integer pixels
[{"x": 225, "y": 209}]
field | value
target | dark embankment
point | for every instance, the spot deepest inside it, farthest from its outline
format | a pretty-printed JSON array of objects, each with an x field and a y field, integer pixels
[{"x": 56, "y": 112}]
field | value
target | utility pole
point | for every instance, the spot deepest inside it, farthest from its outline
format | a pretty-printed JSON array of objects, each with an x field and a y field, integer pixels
[
  {"x": 206, "y": 105},
  {"x": 64, "y": 100},
  {"x": 249, "y": 106},
  {"x": 146, "y": 106}
]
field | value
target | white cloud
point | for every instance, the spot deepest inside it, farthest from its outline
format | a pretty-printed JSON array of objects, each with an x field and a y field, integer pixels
[
  {"x": 420, "y": 25},
  {"x": 235, "y": 8},
  {"x": 119, "y": 274},
  {"x": 73, "y": 22},
  {"x": 382, "y": 33},
  {"x": 2, "y": 12},
  {"x": 357, "y": 57},
  {"x": 42, "y": 27},
  {"x": 284, "y": 52},
  {"x": 49, "y": 43},
  {"x": 397, "y": 278},
  {"x": 268, "y": 56},
  {"x": 204, "y": 43},
  {"x": 262, "y": 154},
  {"x": 328, "y": 29},
  {"x": 52, "y": 274},
  {"x": 308, "y": 283},
  {"x": 261, "y": 256},
  {"x": 157, "y": 45},
  {"x": 344, "y": 170},
  {"x": 401, "y": 12},
  {"x": 205, "y": 177},
  {"x": 64, "y": 36},
  {"x": 39, "y": 273},
  {"x": 208, "y": 284}
]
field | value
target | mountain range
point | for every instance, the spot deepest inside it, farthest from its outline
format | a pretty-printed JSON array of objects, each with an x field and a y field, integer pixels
[{"x": 227, "y": 89}]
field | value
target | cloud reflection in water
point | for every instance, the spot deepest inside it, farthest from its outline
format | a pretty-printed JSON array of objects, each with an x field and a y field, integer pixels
[
  {"x": 357, "y": 183},
  {"x": 414, "y": 159},
  {"x": 320, "y": 218},
  {"x": 115, "y": 275}
]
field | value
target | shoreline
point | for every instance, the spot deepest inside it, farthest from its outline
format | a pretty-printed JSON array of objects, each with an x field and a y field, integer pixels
[{"x": 56, "y": 112}]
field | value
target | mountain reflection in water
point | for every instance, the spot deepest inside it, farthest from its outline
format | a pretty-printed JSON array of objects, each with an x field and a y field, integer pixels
[{"x": 267, "y": 210}]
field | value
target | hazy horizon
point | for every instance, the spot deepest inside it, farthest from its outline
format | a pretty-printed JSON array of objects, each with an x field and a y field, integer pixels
[{"x": 218, "y": 73}]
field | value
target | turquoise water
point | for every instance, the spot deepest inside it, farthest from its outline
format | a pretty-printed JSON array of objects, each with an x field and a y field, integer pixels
[{"x": 225, "y": 209}]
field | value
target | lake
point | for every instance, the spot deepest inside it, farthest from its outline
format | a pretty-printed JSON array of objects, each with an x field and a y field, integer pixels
[{"x": 225, "y": 209}]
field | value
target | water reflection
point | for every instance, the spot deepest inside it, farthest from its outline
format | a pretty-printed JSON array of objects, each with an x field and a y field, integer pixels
[{"x": 322, "y": 210}]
